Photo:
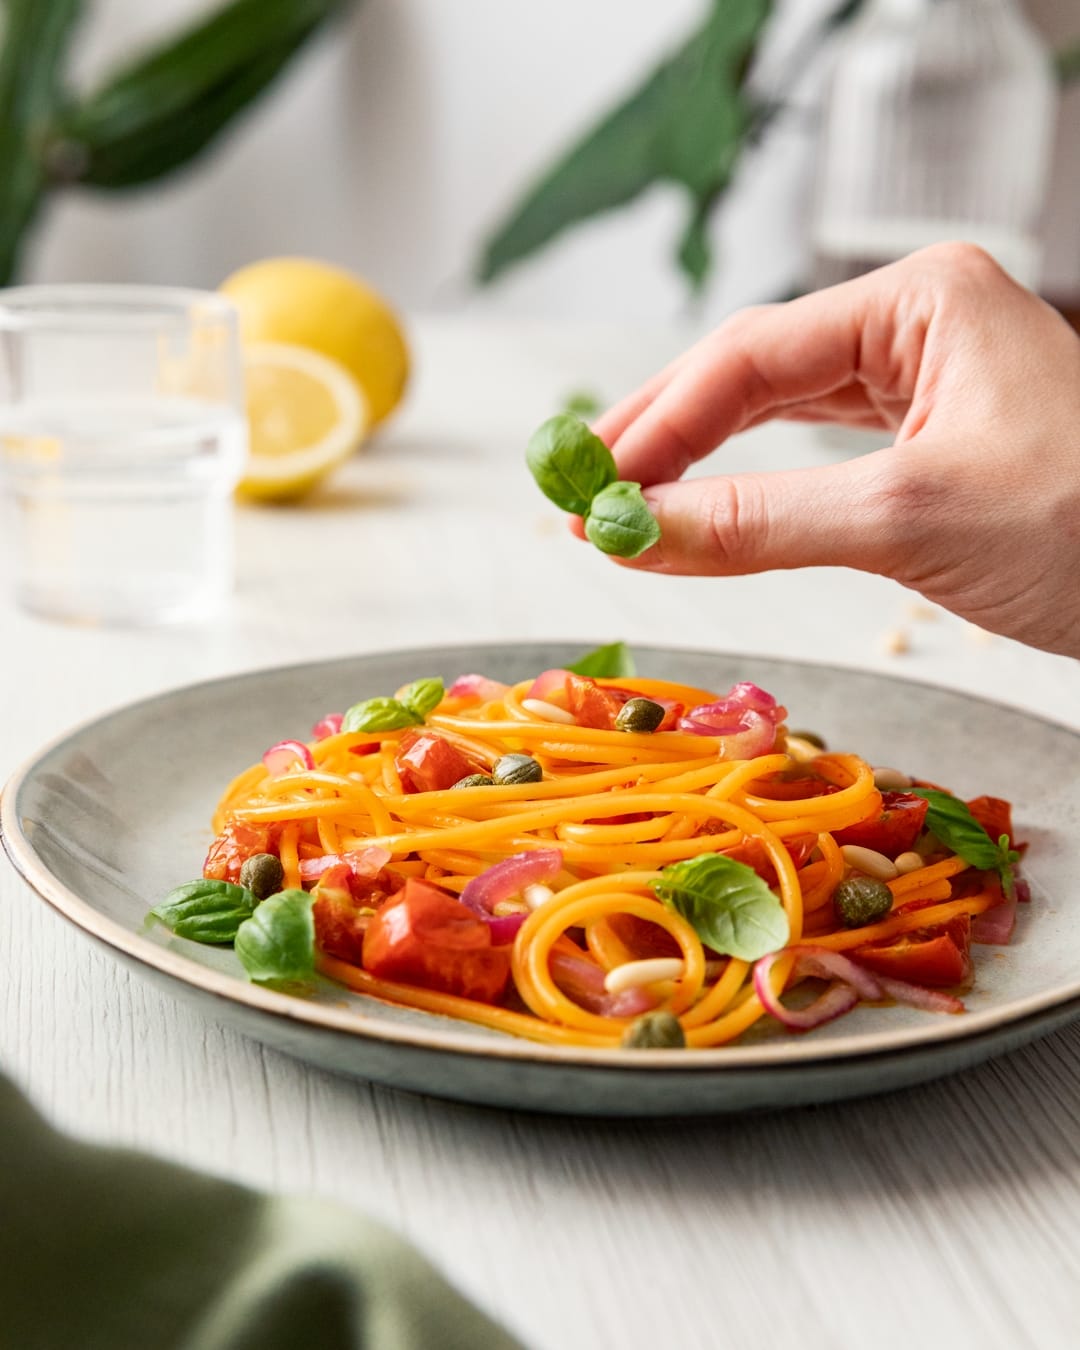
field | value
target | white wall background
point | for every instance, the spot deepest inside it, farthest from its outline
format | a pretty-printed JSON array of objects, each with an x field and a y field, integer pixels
[{"x": 401, "y": 137}]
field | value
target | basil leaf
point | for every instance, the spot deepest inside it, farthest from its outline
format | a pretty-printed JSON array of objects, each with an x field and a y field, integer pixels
[
  {"x": 620, "y": 522},
  {"x": 582, "y": 403},
  {"x": 726, "y": 903},
  {"x": 206, "y": 911},
  {"x": 612, "y": 662},
  {"x": 278, "y": 941},
  {"x": 951, "y": 821},
  {"x": 422, "y": 696},
  {"x": 380, "y": 714},
  {"x": 570, "y": 463}
]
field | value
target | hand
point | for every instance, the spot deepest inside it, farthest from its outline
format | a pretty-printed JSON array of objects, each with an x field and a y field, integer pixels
[{"x": 976, "y": 504}]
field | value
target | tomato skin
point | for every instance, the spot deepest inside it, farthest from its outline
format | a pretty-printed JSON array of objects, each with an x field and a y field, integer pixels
[
  {"x": 591, "y": 705},
  {"x": 937, "y": 956},
  {"x": 428, "y": 762},
  {"x": 425, "y": 937},
  {"x": 240, "y": 840},
  {"x": 994, "y": 814},
  {"x": 340, "y": 896},
  {"x": 752, "y": 852},
  {"x": 894, "y": 831}
]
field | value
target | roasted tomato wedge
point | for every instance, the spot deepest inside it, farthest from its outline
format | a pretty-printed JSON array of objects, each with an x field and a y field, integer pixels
[
  {"x": 425, "y": 937},
  {"x": 994, "y": 814},
  {"x": 591, "y": 705},
  {"x": 892, "y": 832},
  {"x": 240, "y": 840},
  {"x": 936, "y": 956},
  {"x": 343, "y": 905},
  {"x": 428, "y": 762}
]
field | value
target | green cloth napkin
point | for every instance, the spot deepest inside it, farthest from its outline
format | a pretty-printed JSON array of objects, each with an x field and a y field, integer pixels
[{"x": 108, "y": 1249}]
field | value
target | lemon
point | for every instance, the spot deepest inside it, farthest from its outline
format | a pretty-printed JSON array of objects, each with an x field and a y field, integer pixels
[
  {"x": 305, "y": 415},
  {"x": 325, "y": 309}
]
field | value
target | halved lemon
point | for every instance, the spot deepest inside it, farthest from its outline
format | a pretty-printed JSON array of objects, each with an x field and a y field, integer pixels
[{"x": 306, "y": 414}]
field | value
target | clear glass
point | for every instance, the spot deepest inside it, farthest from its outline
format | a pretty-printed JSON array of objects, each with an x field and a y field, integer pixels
[
  {"x": 938, "y": 125},
  {"x": 122, "y": 438}
]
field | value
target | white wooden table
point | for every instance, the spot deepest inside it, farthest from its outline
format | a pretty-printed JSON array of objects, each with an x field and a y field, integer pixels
[{"x": 947, "y": 1215}]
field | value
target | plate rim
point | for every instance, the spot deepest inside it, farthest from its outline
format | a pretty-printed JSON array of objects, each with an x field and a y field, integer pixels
[{"x": 776, "y": 1056}]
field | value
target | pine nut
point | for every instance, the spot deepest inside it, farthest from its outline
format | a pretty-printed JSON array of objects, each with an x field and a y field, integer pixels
[
  {"x": 540, "y": 707},
  {"x": 909, "y": 862},
  {"x": 802, "y": 752},
  {"x": 634, "y": 974},
  {"x": 890, "y": 780},
  {"x": 536, "y": 894},
  {"x": 870, "y": 861},
  {"x": 502, "y": 908}
]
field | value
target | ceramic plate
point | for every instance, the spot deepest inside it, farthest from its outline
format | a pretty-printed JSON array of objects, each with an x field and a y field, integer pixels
[{"x": 107, "y": 819}]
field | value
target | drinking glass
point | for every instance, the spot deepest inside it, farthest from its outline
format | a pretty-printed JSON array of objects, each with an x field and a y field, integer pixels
[{"x": 122, "y": 438}]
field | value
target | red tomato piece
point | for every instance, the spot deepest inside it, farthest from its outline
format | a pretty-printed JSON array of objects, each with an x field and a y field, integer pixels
[
  {"x": 591, "y": 705},
  {"x": 994, "y": 814},
  {"x": 341, "y": 899},
  {"x": 428, "y": 762},
  {"x": 673, "y": 710},
  {"x": 240, "y": 840},
  {"x": 894, "y": 831},
  {"x": 752, "y": 853},
  {"x": 425, "y": 937},
  {"x": 936, "y": 956}
]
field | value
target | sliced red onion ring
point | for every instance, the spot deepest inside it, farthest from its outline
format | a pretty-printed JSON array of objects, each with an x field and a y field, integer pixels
[
  {"x": 917, "y": 996},
  {"x": 995, "y": 925},
  {"x": 330, "y": 725},
  {"x": 548, "y": 682},
  {"x": 742, "y": 735},
  {"x": 829, "y": 965},
  {"x": 508, "y": 878},
  {"x": 1023, "y": 890},
  {"x": 476, "y": 686},
  {"x": 504, "y": 927},
  {"x": 281, "y": 757},
  {"x": 362, "y": 862},
  {"x": 583, "y": 981},
  {"x": 752, "y": 696},
  {"x": 838, "y": 999}
]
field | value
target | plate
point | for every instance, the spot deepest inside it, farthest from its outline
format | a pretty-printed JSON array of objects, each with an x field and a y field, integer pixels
[{"x": 105, "y": 820}]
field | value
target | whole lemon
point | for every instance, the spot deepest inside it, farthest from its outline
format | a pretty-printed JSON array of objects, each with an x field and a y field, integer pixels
[{"x": 305, "y": 303}]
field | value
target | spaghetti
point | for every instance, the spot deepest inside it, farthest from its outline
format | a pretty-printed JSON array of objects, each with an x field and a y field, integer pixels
[{"x": 533, "y": 859}]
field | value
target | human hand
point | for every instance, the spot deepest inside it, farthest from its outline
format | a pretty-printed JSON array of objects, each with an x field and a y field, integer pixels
[{"x": 976, "y": 504}]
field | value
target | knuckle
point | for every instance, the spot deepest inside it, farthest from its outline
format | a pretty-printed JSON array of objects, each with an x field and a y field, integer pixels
[
  {"x": 963, "y": 261},
  {"x": 734, "y": 523}
]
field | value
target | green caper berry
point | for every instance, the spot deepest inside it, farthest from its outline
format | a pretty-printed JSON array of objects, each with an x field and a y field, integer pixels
[
  {"x": 654, "y": 1031},
  {"x": 640, "y": 714},
  {"x": 474, "y": 780},
  {"x": 262, "y": 874},
  {"x": 517, "y": 769},
  {"x": 811, "y": 736},
  {"x": 861, "y": 900}
]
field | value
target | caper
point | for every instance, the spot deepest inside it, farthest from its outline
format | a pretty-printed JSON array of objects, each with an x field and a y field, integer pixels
[
  {"x": 811, "y": 736},
  {"x": 474, "y": 780},
  {"x": 654, "y": 1031},
  {"x": 861, "y": 900},
  {"x": 640, "y": 714},
  {"x": 262, "y": 874},
  {"x": 517, "y": 769}
]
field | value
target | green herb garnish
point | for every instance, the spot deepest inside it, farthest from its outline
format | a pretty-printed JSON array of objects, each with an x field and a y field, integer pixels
[
  {"x": 575, "y": 469},
  {"x": 277, "y": 943},
  {"x": 951, "y": 821},
  {"x": 615, "y": 661},
  {"x": 380, "y": 714},
  {"x": 422, "y": 696},
  {"x": 206, "y": 911},
  {"x": 726, "y": 903}
]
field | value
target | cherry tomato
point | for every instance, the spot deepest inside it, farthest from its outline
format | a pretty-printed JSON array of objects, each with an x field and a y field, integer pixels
[
  {"x": 938, "y": 955},
  {"x": 240, "y": 840},
  {"x": 428, "y": 762},
  {"x": 591, "y": 705},
  {"x": 341, "y": 901},
  {"x": 425, "y": 937},
  {"x": 994, "y": 814},
  {"x": 892, "y": 832}
]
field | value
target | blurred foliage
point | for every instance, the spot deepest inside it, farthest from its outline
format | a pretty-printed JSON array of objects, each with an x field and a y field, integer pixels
[
  {"x": 687, "y": 124},
  {"x": 145, "y": 120}
]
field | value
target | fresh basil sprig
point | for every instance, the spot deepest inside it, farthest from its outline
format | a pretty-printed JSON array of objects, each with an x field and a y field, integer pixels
[
  {"x": 726, "y": 903},
  {"x": 380, "y": 714},
  {"x": 951, "y": 821},
  {"x": 206, "y": 911},
  {"x": 278, "y": 941},
  {"x": 614, "y": 661},
  {"x": 422, "y": 696},
  {"x": 575, "y": 469}
]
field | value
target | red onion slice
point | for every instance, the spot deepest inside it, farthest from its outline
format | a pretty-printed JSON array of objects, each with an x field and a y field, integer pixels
[
  {"x": 995, "y": 925},
  {"x": 917, "y": 996},
  {"x": 582, "y": 981},
  {"x": 478, "y": 687},
  {"x": 330, "y": 725},
  {"x": 504, "y": 927},
  {"x": 364, "y": 863},
  {"x": 838, "y": 999},
  {"x": 508, "y": 878},
  {"x": 743, "y": 734},
  {"x": 829, "y": 965},
  {"x": 549, "y": 682},
  {"x": 285, "y": 755}
]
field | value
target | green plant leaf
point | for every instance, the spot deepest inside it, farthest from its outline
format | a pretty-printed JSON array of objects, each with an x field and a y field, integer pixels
[
  {"x": 620, "y": 522},
  {"x": 158, "y": 112},
  {"x": 583, "y": 403},
  {"x": 205, "y": 910},
  {"x": 951, "y": 821},
  {"x": 569, "y": 462},
  {"x": 726, "y": 903},
  {"x": 278, "y": 942},
  {"x": 686, "y": 125},
  {"x": 614, "y": 661},
  {"x": 1067, "y": 63},
  {"x": 380, "y": 714},
  {"x": 422, "y": 696},
  {"x": 35, "y": 39}
]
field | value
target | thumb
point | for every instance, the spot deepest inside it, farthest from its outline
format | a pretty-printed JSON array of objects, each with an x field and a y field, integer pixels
[{"x": 838, "y": 515}]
